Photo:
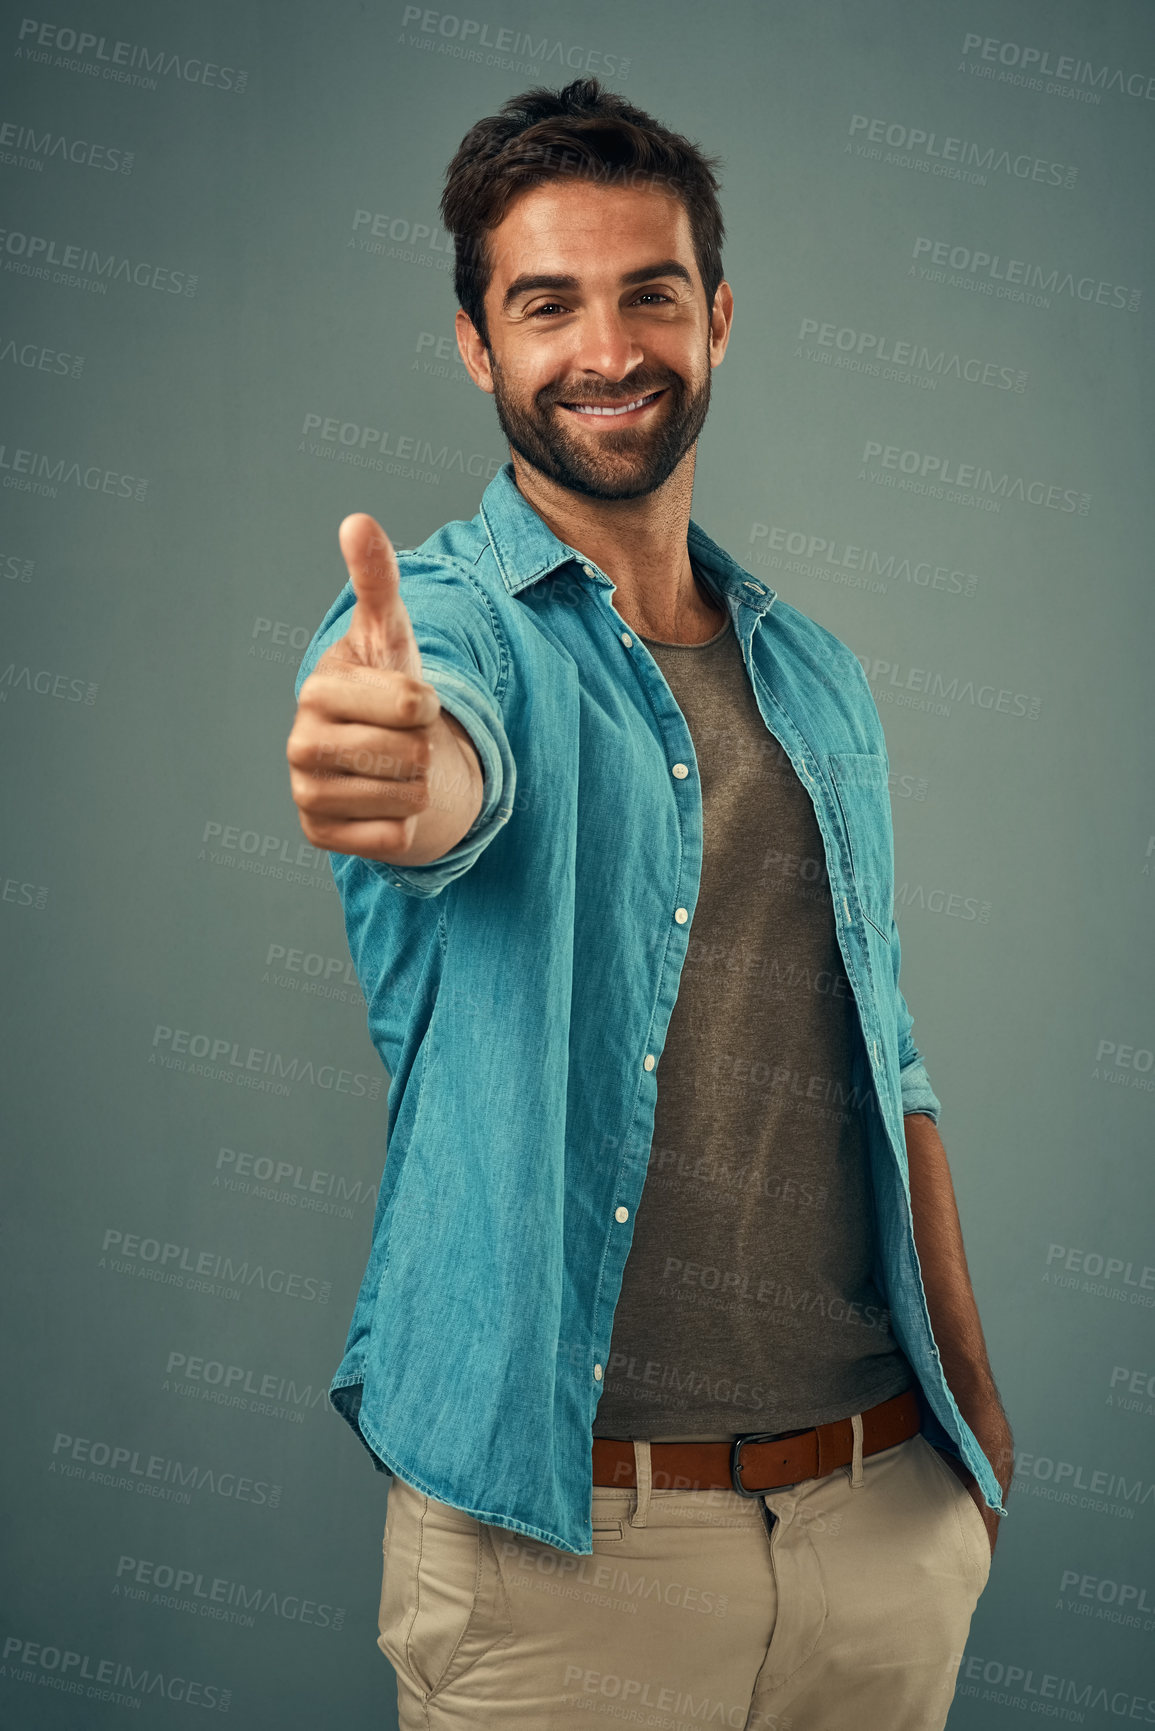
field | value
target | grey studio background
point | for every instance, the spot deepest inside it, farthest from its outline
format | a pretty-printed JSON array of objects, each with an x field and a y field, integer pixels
[{"x": 228, "y": 321}]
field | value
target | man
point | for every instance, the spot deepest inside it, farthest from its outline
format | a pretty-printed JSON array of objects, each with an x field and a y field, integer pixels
[{"x": 611, "y": 826}]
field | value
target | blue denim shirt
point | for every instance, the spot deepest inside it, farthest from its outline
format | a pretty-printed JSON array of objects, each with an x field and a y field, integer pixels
[{"x": 519, "y": 990}]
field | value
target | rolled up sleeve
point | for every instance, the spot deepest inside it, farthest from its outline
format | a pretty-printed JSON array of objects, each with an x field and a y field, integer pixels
[
  {"x": 917, "y": 1093},
  {"x": 465, "y": 659}
]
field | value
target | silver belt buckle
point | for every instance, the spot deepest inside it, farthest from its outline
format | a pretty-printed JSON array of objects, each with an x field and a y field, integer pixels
[{"x": 736, "y": 1447}]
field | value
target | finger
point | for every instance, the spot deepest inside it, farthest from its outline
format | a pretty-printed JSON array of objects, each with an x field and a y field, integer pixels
[
  {"x": 380, "y": 632},
  {"x": 378, "y": 838},
  {"x": 347, "y": 691},
  {"x": 371, "y": 753},
  {"x": 349, "y": 799}
]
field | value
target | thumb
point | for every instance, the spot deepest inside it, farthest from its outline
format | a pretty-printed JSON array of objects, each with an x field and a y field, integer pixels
[{"x": 380, "y": 632}]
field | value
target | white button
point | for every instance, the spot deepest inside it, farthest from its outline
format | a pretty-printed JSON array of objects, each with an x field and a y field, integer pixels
[
  {"x": 681, "y": 916},
  {"x": 597, "y": 1373},
  {"x": 650, "y": 1061},
  {"x": 621, "y": 1213},
  {"x": 589, "y": 570},
  {"x": 681, "y": 771},
  {"x": 627, "y": 639}
]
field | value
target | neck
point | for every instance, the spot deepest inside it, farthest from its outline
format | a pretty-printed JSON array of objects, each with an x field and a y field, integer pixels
[{"x": 640, "y": 544}]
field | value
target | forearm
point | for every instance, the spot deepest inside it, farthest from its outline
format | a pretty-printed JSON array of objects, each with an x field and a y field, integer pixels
[
  {"x": 950, "y": 1298},
  {"x": 455, "y": 789}
]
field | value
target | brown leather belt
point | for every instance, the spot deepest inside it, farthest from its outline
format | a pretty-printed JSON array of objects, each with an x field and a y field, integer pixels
[{"x": 760, "y": 1461}]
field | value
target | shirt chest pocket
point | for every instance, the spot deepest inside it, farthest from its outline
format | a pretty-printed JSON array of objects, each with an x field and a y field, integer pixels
[{"x": 860, "y": 784}]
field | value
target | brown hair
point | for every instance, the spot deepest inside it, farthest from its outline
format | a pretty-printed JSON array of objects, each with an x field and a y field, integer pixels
[{"x": 581, "y": 130}]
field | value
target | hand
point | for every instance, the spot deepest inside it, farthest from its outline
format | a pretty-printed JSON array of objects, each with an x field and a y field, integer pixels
[
  {"x": 990, "y": 1519},
  {"x": 363, "y": 738}
]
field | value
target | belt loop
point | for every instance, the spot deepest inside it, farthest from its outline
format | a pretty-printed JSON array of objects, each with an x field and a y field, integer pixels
[
  {"x": 856, "y": 1478},
  {"x": 644, "y": 1477}
]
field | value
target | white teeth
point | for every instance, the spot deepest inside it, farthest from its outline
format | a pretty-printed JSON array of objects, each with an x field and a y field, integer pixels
[{"x": 590, "y": 409}]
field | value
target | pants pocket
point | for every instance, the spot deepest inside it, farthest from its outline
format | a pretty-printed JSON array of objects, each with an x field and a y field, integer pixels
[
  {"x": 443, "y": 1601},
  {"x": 972, "y": 1527}
]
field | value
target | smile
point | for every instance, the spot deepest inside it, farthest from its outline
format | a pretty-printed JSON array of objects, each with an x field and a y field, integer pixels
[{"x": 593, "y": 409}]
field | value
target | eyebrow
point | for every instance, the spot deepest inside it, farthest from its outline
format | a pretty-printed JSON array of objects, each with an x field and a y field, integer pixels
[{"x": 528, "y": 284}]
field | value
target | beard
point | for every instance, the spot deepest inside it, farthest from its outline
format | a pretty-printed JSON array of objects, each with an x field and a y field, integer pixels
[{"x": 609, "y": 463}]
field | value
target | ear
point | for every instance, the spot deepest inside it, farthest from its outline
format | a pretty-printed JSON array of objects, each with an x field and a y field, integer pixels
[
  {"x": 473, "y": 352},
  {"x": 721, "y": 322}
]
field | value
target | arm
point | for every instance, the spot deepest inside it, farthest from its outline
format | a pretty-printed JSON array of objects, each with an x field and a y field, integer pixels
[
  {"x": 455, "y": 782},
  {"x": 953, "y": 1312},
  {"x": 950, "y": 1300},
  {"x": 361, "y": 761}
]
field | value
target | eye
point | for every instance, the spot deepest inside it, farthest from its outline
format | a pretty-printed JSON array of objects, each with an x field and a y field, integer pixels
[{"x": 645, "y": 294}]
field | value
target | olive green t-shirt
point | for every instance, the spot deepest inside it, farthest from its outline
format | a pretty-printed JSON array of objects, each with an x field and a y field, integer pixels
[{"x": 748, "y": 1301}]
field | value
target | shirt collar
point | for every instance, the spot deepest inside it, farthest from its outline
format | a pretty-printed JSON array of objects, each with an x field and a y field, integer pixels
[{"x": 526, "y": 548}]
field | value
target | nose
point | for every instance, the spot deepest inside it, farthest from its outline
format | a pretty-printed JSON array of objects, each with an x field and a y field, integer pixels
[{"x": 605, "y": 352}]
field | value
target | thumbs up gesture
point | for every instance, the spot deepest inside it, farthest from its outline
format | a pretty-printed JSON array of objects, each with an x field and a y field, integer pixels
[{"x": 370, "y": 746}]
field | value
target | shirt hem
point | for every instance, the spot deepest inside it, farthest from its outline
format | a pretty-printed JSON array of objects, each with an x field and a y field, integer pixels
[{"x": 397, "y": 1469}]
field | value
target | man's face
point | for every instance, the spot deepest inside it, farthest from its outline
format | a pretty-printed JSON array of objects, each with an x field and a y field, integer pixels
[{"x": 570, "y": 335}]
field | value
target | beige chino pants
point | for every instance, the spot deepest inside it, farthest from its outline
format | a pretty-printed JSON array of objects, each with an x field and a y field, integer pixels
[{"x": 836, "y": 1604}]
